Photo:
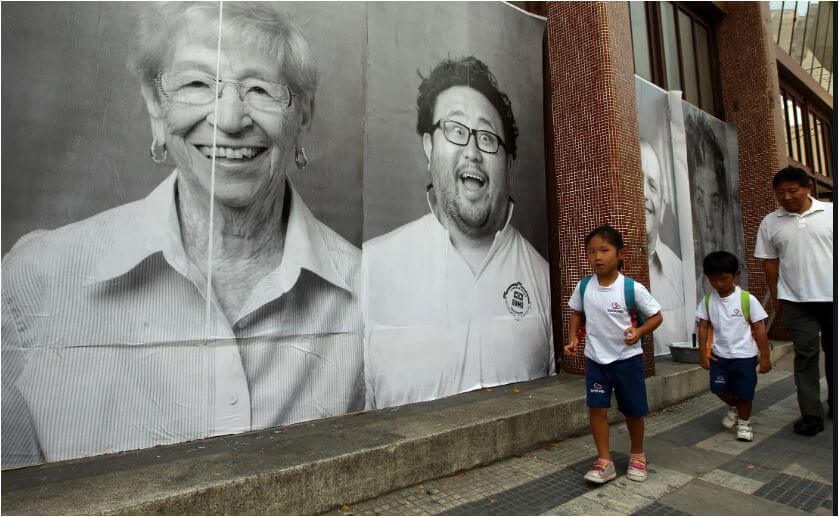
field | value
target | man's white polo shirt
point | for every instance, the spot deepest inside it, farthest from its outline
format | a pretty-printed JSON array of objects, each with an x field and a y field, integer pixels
[
  {"x": 433, "y": 328},
  {"x": 666, "y": 286},
  {"x": 804, "y": 245}
]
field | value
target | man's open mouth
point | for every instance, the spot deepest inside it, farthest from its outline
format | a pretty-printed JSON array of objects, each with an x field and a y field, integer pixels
[
  {"x": 473, "y": 180},
  {"x": 230, "y": 153}
]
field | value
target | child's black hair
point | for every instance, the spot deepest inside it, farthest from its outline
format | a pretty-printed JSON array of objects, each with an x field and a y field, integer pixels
[
  {"x": 610, "y": 235},
  {"x": 720, "y": 262}
]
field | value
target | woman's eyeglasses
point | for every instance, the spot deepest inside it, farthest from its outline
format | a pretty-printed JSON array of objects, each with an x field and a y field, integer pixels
[{"x": 198, "y": 89}]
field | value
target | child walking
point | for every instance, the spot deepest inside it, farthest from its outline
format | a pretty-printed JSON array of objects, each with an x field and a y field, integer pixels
[
  {"x": 613, "y": 352},
  {"x": 735, "y": 319}
]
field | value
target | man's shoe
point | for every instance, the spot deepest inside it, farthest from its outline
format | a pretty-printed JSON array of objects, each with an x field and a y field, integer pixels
[
  {"x": 730, "y": 418},
  {"x": 744, "y": 432},
  {"x": 808, "y": 425},
  {"x": 601, "y": 472}
]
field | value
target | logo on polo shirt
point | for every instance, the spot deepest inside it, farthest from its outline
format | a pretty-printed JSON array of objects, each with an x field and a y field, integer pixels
[
  {"x": 738, "y": 312},
  {"x": 615, "y": 308},
  {"x": 517, "y": 300},
  {"x": 720, "y": 379},
  {"x": 597, "y": 388}
]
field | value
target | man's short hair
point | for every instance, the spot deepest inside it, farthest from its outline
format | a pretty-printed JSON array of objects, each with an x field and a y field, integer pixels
[
  {"x": 793, "y": 174},
  {"x": 472, "y": 72},
  {"x": 720, "y": 262}
]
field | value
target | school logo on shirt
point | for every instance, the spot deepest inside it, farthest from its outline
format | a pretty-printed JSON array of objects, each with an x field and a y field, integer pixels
[
  {"x": 597, "y": 388},
  {"x": 615, "y": 308},
  {"x": 517, "y": 300},
  {"x": 737, "y": 312},
  {"x": 719, "y": 380}
]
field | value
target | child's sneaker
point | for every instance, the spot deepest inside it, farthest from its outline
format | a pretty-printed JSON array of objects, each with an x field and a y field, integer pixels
[
  {"x": 601, "y": 472},
  {"x": 637, "y": 470},
  {"x": 730, "y": 418},
  {"x": 744, "y": 432}
]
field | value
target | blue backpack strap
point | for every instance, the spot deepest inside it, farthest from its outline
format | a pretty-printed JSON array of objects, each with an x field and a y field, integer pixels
[
  {"x": 583, "y": 283},
  {"x": 629, "y": 298},
  {"x": 629, "y": 292}
]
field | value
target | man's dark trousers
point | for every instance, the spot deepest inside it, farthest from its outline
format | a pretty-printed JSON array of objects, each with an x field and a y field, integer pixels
[{"x": 804, "y": 321}]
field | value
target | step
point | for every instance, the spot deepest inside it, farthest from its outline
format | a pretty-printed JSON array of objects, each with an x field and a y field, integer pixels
[{"x": 311, "y": 467}]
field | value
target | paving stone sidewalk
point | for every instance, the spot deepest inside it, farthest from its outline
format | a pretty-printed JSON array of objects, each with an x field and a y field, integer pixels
[{"x": 696, "y": 468}]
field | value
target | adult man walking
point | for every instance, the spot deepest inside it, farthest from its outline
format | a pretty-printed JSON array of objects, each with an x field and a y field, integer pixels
[{"x": 796, "y": 243}]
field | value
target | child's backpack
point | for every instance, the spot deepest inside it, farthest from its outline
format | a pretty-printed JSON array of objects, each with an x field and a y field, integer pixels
[
  {"x": 745, "y": 308},
  {"x": 628, "y": 298}
]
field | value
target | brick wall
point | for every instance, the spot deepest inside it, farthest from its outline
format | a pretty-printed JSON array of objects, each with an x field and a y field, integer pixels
[
  {"x": 750, "y": 92},
  {"x": 597, "y": 176}
]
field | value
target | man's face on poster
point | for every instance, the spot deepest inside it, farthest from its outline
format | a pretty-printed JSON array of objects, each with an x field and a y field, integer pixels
[
  {"x": 653, "y": 193},
  {"x": 471, "y": 185},
  {"x": 709, "y": 198}
]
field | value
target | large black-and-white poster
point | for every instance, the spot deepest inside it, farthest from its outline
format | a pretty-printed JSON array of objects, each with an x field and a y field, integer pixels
[
  {"x": 183, "y": 236},
  {"x": 714, "y": 183},
  {"x": 455, "y": 286},
  {"x": 667, "y": 210},
  {"x": 691, "y": 200}
]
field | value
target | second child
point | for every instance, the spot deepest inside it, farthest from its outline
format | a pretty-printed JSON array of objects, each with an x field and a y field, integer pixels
[
  {"x": 613, "y": 351},
  {"x": 739, "y": 340}
]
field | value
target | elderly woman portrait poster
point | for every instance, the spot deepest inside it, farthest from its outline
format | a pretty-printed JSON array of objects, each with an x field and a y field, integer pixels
[
  {"x": 186, "y": 190},
  {"x": 215, "y": 302}
]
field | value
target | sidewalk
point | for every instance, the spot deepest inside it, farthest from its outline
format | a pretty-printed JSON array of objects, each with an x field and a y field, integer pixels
[{"x": 696, "y": 468}]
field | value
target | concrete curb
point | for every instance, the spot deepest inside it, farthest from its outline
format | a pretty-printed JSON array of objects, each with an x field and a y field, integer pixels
[{"x": 312, "y": 467}]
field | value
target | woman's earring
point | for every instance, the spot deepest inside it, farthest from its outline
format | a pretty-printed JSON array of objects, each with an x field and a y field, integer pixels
[
  {"x": 300, "y": 158},
  {"x": 154, "y": 156}
]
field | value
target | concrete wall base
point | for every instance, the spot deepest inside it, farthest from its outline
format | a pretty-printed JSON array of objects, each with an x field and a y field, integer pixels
[{"x": 312, "y": 467}]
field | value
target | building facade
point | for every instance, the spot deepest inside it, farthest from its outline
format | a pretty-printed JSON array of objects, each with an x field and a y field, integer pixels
[{"x": 766, "y": 68}]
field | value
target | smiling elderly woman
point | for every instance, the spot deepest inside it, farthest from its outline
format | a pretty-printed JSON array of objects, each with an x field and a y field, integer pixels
[{"x": 216, "y": 305}]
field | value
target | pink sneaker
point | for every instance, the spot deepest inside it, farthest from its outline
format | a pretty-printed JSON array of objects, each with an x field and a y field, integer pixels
[
  {"x": 637, "y": 470},
  {"x": 601, "y": 472}
]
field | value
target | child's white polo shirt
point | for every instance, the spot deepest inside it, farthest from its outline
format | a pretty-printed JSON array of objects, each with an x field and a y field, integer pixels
[
  {"x": 732, "y": 335},
  {"x": 607, "y": 318}
]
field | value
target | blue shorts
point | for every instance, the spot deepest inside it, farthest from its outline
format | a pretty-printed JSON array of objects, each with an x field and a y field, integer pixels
[
  {"x": 626, "y": 377},
  {"x": 736, "y": 377}
]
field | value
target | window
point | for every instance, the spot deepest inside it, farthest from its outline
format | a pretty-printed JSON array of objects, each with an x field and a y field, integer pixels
[
  {"x": 674, "y": 48},
  {"x": 807, "y": 133},
  {"x": 640, "y": 40},
  {"x": 804, "y": 30}
]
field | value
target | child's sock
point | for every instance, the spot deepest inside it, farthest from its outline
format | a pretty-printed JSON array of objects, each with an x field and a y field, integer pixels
[
  {"x": 733, "y": 409},
  {"x": 741, "y": 421},
  {"x": 604, "y": 461},
  {"x": 642, "y": 457}
]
